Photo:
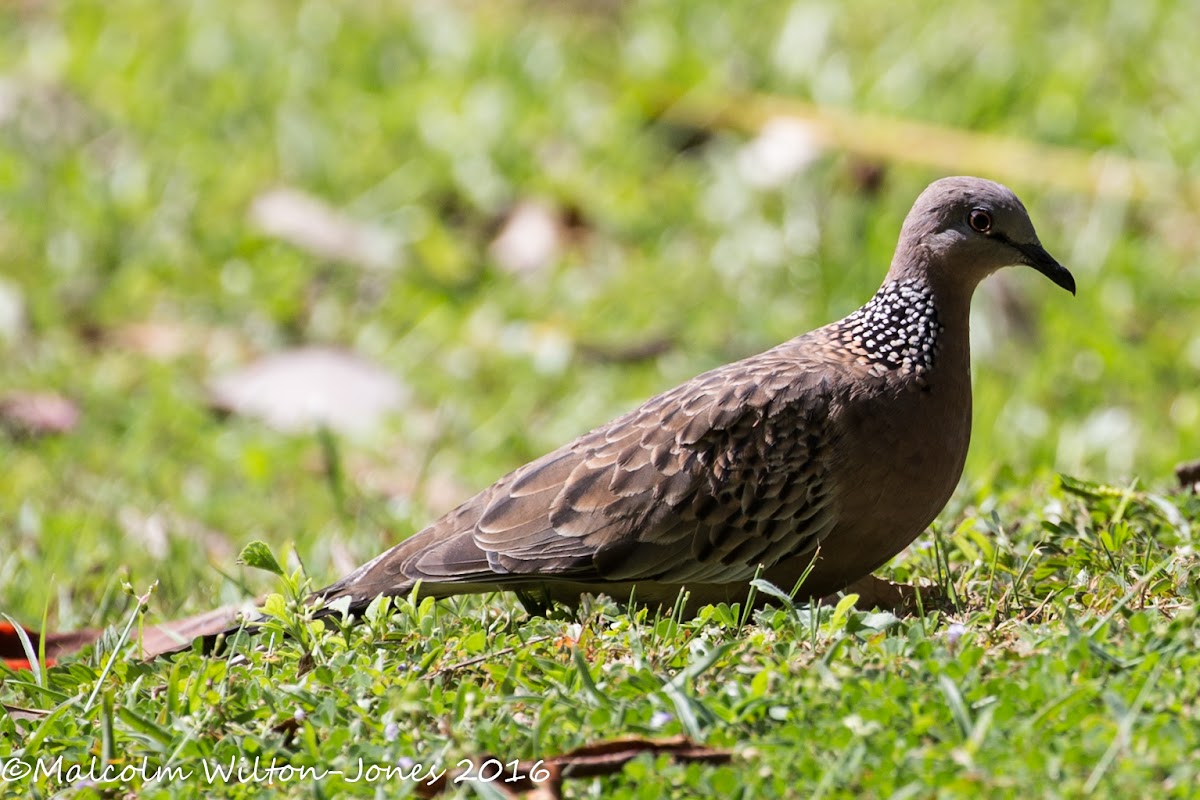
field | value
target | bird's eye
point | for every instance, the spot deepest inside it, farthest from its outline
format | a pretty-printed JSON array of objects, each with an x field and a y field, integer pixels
[{"x": 980, "y": 220}]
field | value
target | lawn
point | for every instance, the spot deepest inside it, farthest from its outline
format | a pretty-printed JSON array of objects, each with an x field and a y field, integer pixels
[{"x": 524, "y": 219}]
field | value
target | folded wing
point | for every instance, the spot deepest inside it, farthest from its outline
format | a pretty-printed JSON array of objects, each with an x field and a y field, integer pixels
[{"x": 703, "y": 483}]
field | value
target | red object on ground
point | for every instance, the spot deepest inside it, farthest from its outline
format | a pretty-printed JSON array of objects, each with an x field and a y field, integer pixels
[{"x": 13, "y": 653}]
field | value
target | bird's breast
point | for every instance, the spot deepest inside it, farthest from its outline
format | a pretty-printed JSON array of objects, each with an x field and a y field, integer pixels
[{"x": 901, "y": 452}]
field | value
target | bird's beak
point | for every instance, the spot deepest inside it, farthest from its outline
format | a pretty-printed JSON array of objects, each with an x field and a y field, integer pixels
[{"x": 1037, "y": 257}]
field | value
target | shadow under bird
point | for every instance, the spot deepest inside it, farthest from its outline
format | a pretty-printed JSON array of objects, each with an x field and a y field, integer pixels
[{"x": 835, "y": 449}]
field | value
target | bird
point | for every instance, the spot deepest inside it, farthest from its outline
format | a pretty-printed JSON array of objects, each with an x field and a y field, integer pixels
[{"x": 809, "y": 465}]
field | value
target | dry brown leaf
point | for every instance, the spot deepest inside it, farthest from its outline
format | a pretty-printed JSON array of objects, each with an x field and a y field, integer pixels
[
  {"x": 171, "y": 637},
  {"x": 12, "y": 651},
  {"x": 19, "y": 714},
  {"x": 311, "y": 224},
  {"x": 161, "y": 639},
  {"x": 600, "y": 758},
  {"x": 37, "y": 413},
  {"x": 605, "y": 758},
  {"x": 531, "y": 238},
  {"x": 310, "y": 387}
]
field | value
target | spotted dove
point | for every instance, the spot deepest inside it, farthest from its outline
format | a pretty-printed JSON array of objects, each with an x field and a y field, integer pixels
[{"x": 834, "y": 449}]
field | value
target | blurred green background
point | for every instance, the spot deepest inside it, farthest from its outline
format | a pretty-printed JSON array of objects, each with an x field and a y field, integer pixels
[{"x": 138, "y": 140}]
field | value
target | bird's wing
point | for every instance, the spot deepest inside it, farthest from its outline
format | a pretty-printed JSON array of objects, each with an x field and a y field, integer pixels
[{"x": 700, "y": 484}]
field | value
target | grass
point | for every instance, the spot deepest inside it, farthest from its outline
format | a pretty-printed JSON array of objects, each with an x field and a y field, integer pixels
[{"x": 134, "y": 139}]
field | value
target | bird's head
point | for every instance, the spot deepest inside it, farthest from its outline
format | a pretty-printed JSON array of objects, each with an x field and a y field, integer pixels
[{"x": 960, "y": 230}]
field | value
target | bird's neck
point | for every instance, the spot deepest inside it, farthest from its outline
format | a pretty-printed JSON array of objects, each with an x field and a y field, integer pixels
[{"x": 900, "y": 328}]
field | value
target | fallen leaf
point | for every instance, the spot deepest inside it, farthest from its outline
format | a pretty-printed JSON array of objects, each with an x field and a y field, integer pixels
[
  {"x": 600, "y": 758},
  {"x": 311, "y": 387},
  {"x": 12, "y": 652},
  {"x": 605, "y": 758},
  {"x": 161, "y": 639},
  {"x": 37, "y": 413},
  {"x": 311, "y": 224},
  {"x": 531, "y": 238},
  {"x": 172, "y": 637},
  {"x": 784, "y": 146},
  {"x": 20, "y": 714}
]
